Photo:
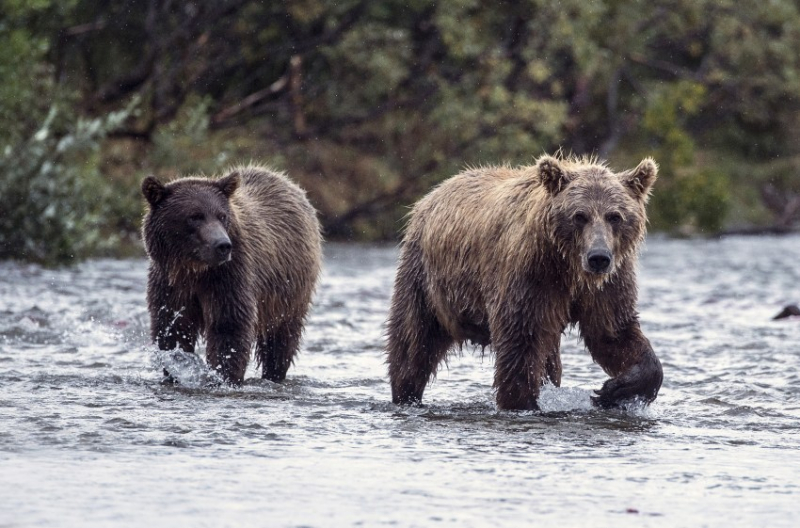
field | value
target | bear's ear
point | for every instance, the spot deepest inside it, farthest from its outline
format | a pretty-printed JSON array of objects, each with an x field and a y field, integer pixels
[
  {"x": 229, "y": 183},
  {"x": 153, "y": 190},
  {"x": 641, "y": 179},
  {"x": 551, "y": 174}
]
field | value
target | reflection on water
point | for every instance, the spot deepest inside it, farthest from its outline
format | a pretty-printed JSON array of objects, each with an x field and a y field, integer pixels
[{"x": 91, "y": 437}]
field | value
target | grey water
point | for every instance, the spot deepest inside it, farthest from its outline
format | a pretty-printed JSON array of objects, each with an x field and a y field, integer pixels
[{"x": 90, "y": 437}]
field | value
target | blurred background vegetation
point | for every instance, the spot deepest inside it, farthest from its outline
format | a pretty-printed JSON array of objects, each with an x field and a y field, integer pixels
[{"x": 367, "y": 104}]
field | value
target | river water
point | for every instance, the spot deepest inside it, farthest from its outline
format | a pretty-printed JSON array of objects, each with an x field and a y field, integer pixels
[{"x": 89, "y": 437}]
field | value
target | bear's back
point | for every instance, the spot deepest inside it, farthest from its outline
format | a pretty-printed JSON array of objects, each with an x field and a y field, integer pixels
[
  {"x": 478, "y": 201},
  {"x": 265, "y": 187},
  {"x": 280, "y": 228},
  {"x": 269, "y": 201},
  {"x": 471, "y": 226}
]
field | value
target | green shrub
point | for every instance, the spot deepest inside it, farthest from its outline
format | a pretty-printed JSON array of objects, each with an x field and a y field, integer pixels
[
  {"x": 52, "y": 195},
  {"x": 696, "y": 202}
]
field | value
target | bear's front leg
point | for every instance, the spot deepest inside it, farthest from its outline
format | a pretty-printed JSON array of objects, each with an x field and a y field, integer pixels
[
  {"x": 228, "y": 349},
  {"x": 229, "y": 330},
  {"x": 174, "y": 314},
  {"x": 554, "y": 367},
  {"x": 628, "y": 357},
  {"x": 524, "y": 359}
]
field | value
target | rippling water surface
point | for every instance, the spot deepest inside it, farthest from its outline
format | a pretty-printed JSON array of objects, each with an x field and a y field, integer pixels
[{"x": 89, "y": 437}]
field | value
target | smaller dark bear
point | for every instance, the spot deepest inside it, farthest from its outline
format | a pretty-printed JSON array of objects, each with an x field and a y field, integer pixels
[
  {"x": 508, "y": 258},
  {"x": 236, "y": 260}
]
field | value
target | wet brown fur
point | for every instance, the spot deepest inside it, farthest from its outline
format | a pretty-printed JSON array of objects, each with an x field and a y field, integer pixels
[
  {"x": 494, "y": 256},
  {"x": 261, "y": 295}
]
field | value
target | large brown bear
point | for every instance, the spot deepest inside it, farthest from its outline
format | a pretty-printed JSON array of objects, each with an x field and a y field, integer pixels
[
  {"x": 508, "y": 258},
  {"x": 235, "y": 260}
]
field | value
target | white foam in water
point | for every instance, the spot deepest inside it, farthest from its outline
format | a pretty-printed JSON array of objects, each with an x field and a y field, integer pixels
[
  {"x": 28, "y": 324},
  {"x": 188, "y": 370},
  {"x": 563, "y": 399},
  {"x": 92, "y": 331}
]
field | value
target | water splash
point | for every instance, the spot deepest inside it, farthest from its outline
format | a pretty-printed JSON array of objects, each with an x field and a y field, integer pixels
[
  {"x": 186, "y": 369},
  {"x": 564, "y": 399}
]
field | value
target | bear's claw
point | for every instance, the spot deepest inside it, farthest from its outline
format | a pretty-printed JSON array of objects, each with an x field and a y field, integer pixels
[{"x": 641, "y": 382}]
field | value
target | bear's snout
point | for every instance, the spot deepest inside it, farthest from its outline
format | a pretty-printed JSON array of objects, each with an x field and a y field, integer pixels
[
  {"x": 220, "y": 247},
  {"x": 223, "y": 248},
  {"x": 599, "y": 260},
  {"x": 216, "y": 246}
]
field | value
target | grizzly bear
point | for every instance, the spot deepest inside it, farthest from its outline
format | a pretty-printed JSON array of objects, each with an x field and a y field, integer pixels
[
  {"x": 235, "y": 260},
  {"x": 508, "y": 258}
]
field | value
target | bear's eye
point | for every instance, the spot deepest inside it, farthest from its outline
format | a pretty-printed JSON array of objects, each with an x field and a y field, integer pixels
[
  {"x": 580, "y": 219},
  {"x": 222, "y": 217},
  {"x": 614, "y": 218},
  {"x": 196, "y": 218}
]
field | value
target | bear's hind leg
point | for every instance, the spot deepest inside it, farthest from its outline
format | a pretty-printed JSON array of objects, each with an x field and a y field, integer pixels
[
  {"x": 276, "y": 349},
  {"x": 416, "y": 341},
  {"x": 414, "y": 356}
]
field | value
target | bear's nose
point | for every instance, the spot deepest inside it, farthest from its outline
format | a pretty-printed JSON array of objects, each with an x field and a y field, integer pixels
[
  {"x": 599, "y": 260},
  {"x": 223, "y": 247}
]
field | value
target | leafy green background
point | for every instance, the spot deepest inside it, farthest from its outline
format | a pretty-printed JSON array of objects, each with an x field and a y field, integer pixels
[{"x": 368, "y": 104}]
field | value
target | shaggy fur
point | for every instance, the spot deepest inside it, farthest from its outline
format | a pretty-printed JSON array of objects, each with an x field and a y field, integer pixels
[
  {"x": 256, "y": 290},
  {"x": 509, "y": 258}
]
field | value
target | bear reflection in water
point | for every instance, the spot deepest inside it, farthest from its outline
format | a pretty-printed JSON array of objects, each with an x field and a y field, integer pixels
[{"x": 509, "y": 257}]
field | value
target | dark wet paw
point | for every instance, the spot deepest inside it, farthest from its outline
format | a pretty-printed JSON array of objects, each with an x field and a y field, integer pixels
[
  {"x": 614, "y": 393},
  {"x": 640, "y": 383},
  {"x": 411, "y": 402},
  {"x": 407, "y": 394}
]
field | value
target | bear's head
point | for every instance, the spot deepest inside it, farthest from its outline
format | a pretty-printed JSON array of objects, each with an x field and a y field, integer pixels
[
  {"x": 596, "y": 217},
  {"x": 189, "y": 221}
]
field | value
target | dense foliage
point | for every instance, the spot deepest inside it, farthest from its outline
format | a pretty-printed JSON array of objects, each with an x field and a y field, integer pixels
[
  {"x": 370, "y": 103},
  {"x": 53, "y": 198}
]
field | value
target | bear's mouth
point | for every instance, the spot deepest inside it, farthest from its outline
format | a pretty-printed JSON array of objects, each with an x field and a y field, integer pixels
[
  {"x": 212, "y": 257},
  {"x": 219, "y": 260},
  {"x": 599, "y": 273}
]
